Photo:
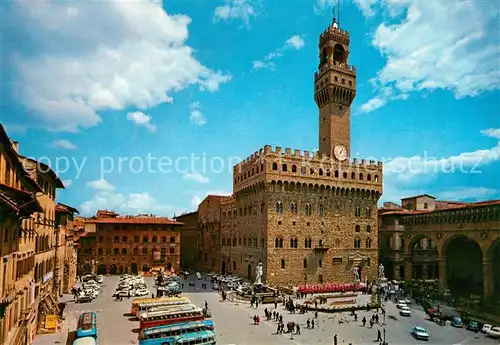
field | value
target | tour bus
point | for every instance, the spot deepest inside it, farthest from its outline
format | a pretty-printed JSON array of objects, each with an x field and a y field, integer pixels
[
  {"x": 147, "y": 303},
  {"x": 167, "y": 308},
  {"x": 166, "y": 334},
  {"x": 87, "y": 325},
  {"x": 151, "y": 306},
  {"x": 196, "y": 338},
  {"x": 166, "y": 317},
  {"x": 85, "y": 341}
]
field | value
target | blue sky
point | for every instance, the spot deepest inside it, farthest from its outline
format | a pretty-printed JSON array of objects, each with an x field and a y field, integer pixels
[{"x": 86, "y": 85}]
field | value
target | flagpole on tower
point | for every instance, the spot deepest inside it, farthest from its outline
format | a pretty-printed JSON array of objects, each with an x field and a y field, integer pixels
[{"x": 338, "y": 12}]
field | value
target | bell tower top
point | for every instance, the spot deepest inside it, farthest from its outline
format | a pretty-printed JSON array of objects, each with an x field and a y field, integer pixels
[{"x": 334, "y": 91}]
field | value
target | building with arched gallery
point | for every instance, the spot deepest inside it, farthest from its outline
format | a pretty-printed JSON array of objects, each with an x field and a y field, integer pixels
[{"x": 457, "y": 243}]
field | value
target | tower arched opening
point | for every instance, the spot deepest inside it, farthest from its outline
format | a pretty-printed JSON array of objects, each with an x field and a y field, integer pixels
[
  {"x": 464, "y": 267},
  {"x": 339, "y": 53}
]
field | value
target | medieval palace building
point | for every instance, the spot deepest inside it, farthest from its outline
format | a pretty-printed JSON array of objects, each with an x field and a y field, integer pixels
[{"x": 308, "y": 217}]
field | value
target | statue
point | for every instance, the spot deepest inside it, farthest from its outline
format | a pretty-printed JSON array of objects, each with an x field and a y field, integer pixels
[
  {"x": 258, "y": 274},
  {"x": 356, "y": 274},
  {"x": 381, "y": 271}
]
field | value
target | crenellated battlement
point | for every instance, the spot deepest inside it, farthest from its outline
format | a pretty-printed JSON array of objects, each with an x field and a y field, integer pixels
[
  {"x": 340, "y": 67},
  {"x": 267, "y": 153},
  {"x": 334, "y": 33}
]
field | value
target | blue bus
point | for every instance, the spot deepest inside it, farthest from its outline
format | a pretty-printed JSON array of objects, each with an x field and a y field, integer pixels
[
  {"x": 166, "y": 334},
  {"x": 87, "y": 325},
  {"x": 196, "y": 338},
  {"x": 85, "y": 341}
]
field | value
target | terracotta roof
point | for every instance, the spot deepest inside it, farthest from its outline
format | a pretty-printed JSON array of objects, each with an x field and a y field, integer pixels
[
  {"x": 65, "y": 208},
  {"x": 46, "y": 170},
  {"x": 21, "y": 201},
  {"x": 418, "y": 196},
  {"x": 452, "y": 208},
  {"x": 134, "y": 220}
]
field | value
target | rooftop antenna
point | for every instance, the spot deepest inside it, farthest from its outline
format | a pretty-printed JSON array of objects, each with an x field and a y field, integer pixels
[{"x": 338, "y": 12}]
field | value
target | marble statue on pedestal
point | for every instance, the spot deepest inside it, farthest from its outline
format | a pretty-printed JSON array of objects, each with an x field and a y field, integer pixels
[
  {"x": 381, "y": 271},
  {"x": 356, "y": 274},
  {"x": 258, "y": 274}
]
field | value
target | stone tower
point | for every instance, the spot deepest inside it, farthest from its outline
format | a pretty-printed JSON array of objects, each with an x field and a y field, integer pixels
[{"x": 334, "y": 91}]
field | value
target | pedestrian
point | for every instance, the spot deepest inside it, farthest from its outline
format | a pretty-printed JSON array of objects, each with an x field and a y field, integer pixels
[
  {"x": 275, "y": 304},
  {"x": 335, "y": 340},
  {"x": 312, "y": 323},
  {"x": 297, "y": 327},
  {"x": 379, "y": 335},
  {"x": 308, "y": 323},
  {"x": 364, "y": 321},
  {"x": 206, "y": 305}
]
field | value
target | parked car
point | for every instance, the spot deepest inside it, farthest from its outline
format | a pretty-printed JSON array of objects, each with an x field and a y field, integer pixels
[
  {"x": 473, "y": 326},
  {"x": 401, "y": 305},
  {"x": 191, "y": 283},
  {"x": 486, "y": 328},
  {"x": 420, "y": 333},
  {"x": 83, "y": 298},
  {"x": 141, "y": 292},
  {"x": 215, "y": 286},
  {"x": 100, "y": 279},
  {"x": 494, "y": 332},
  {"x": 198, "y": 275},
  {"x": 457, "y": 322},
  {"x": 405, "y": 311}
]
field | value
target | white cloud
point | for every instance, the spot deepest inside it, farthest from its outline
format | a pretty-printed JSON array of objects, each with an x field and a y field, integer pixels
[
  {"x": 406, "y": 170},
  {"x": 295, "y": 42},
  {"x": 373, "y": 104},
  {"x": 196, "y": 177},
  {"x": 366, "y": 6},
  {"x": 195, "y": 201},
  {"x": 235, "y": 9},
  {"x": 101, "y": 185},
  {"x": 67, "y": 183},
  {"x": 196, "y": 117},
  {"x": 141, "y": 119},
  {"x": 467, "y": 193},
  {"x": 14, "y": 128},
  {"x": 133, "y": 203},
  {"x": 492, "y": 132},
  {"x": 131, "y": 54},
  {"x": 450, "y": 45},
  {"x": 63, "y": 144}
]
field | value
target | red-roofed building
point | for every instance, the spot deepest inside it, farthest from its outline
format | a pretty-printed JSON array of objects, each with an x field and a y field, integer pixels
[
  {"x": 116, "y": 244},
  {"x": 457, "y": 243}
]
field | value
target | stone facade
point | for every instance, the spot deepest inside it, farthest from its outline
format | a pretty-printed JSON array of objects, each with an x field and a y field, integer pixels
[
  {"x": 66, "y": 253},
  {"x": 189, "y": 240},
  {"x": 307, "y": 217},
  {"x": 114, "y": 244},
  {"x": 427, "y": 239}
]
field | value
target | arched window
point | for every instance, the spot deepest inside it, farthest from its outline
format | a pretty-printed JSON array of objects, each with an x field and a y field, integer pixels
[
  {"x": 336, "y": 173},
  {"x": 284, "y": 167},
  {"x": 155, "y": 239},
  {"x": 357, "y": 228},
  {"x": 426, "y": 206},
  {"x": 124, "y": 251},
  {"x": 321, "y": 210},
  {"x": 357, "y": 211},
  {"x": 308, "y": 209},
  {"x": 307, "y": 243},
  {"x": 124, "y": 239},
  {"x": 294, "y": 168},
  {"x": 368, "y": 243},
  {"x": 172, "y": 239},
  {"x": 361, "y": 177},
  {"x": 368, "y": 177},
  {"x": 320, "y": 243},
  {"x": 305, "y": 263},
  {"x": 368, "y": 212},
  {"x": 279, "y": 207},
  {"x": 311, "y": 171},
  {"x": 294, "y": 242},
  {"x": 357, "y": 243},
  {"x": 145, "y": 239},
  {"x": 368, "y": 228},
  {"x": 320, "y": 172},
  {"x": 283, "y": 263},
  {"x": 353, "y": 176},
  {"x": 376, "y": 178},
  {"x": 320, "y": 263},
  {"x": 293, "y": 207},
  {"x": 278, "y": 242},
  {"x": 303, "y": 170},
  {"x": 275, "y": 166}
]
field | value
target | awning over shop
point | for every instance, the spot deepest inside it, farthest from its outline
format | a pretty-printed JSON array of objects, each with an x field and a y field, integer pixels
[{"x": 20, "y": 201}]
